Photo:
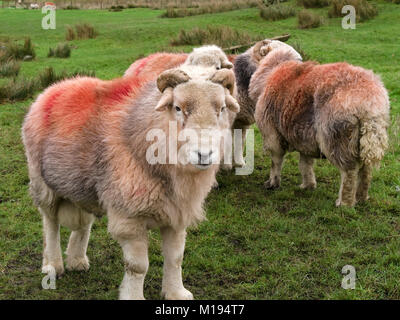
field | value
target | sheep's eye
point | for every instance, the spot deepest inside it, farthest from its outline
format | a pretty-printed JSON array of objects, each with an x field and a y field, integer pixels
[
  {"x": 178, "y": 109},
  {"x": 223, "y": 108}
]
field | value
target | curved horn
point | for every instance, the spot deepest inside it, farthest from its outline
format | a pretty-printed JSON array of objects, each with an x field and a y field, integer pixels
[
  {"x": 171, "y": 78},
  {"x": 226, "y": 78},
  {"x": 259, "y": 51}
]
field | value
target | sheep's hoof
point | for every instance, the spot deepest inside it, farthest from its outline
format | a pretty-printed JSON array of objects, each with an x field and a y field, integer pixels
[
  {"x": 271, "y": 185},
  {"x": 57, "y": 269},
  {"x": 78, "y": 263},
  {"x": 341, "y": 203},
  {"x": 309, "y": 186},
  {"x": 239, "y": 164},
  {"x": 181, "y": 294}
]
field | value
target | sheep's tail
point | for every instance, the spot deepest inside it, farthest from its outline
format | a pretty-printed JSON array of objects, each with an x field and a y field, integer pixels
[{"x": 373, "y": 140}]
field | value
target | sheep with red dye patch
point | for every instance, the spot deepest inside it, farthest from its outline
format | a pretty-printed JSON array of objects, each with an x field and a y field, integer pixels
[
  {"x": 87, "y": 143},
  {"x": 337, "y": 111},
  {"x": 210, "y": 56}
]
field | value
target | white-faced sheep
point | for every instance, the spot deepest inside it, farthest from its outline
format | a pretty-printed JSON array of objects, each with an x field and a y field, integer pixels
[
  {"x": 336, "y": 110},
  {"x": 86, "y": 142}
]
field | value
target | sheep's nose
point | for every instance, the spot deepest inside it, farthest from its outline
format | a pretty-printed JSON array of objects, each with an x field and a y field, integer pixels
[{"x": 204, "y": 157}]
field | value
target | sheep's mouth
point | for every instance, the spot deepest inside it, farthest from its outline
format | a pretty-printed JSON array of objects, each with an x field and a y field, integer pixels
[{"x": 203, "y": 166}]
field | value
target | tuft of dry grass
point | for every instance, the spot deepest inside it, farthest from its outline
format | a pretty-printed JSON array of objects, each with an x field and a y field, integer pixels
[
  {"x": 277, "y": 12},
  {"x": 85, "y": 31},
  {"x": 63, "y": 50},
  {"x": 313, "y": 3},
  {"x": 222, "y": 36},
  {"x": 207, "y": 7},
  {"x": 9, "y": 68},
  {"x": 17, "y": 89},
  {"x": 14, "y": 50},
  {"x": 308, "y": 19},
  {"x": 70, "y": 34},
  {"x": 297, "y": 46},
  {"x": 82, "y": 31},
  {"x": 364, "y": 9},
  {"x": 49, "y": 76},
  {"x": 394, "y": 134}
]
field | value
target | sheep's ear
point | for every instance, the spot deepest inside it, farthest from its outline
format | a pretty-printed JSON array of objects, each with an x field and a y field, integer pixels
[
  {"x": 166, "y": 100},
  {"x": 261, "y": 49},
  {"x": 226, "y": 78},
  {"x": 231, "y": 103},
  {"x": 226, "y": 64},
  {"x": 171, "y": 78}
]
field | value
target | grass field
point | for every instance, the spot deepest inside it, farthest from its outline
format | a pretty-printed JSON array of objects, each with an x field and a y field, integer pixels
[{"x": 256, "y": 244}]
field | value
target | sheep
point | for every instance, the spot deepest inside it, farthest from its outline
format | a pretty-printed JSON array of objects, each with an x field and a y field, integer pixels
[
  {"x": 211, "y": 56},
  {"x": 154, "y": 64},
  {"x": 87, "y": 146},
  {"x": 206, "y": 59},
  {"x": 338, "y": 111}
]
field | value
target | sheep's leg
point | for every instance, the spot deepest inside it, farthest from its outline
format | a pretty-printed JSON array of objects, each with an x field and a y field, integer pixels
[
  {"x": 307, "y": 172},
  {"x": 173, "y": 248},
  {"x": 348, "y": 188},
  {"x": 52, "y": 257},
  {"x": 239, "y": 145},
  {"x": 77, "y": 246},
  {"x": 132, "y": 235},
  {"x": 364, "y": 181},
  {"x": 274, "y": 180},
  {"x": 136, "y": 266}
]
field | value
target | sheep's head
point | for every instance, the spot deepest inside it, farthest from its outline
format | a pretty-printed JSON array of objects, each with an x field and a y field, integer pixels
[
  {"x": 199, "y": 108},
  {"x": 209, "y": 56},
  {"x": 264, "y": 47}
]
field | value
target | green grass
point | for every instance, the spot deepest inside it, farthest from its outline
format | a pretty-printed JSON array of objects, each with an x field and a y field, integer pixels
[{"x": 256, "y": 244}]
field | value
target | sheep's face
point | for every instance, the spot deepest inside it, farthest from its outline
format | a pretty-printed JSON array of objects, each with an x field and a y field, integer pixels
[
  {"x": 209, "y": 56},
  {"x": 198, "y": 110}
]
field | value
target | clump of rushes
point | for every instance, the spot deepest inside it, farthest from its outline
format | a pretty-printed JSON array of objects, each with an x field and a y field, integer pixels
[
  {"x": 17, "y": 51},
  {"x": 85, "y": 31},
  {"x": 9, "y": 68},
  {"x": 364, "y": 9},
  {"x": 82, "y": 31},
  {"x": 17, "y": 89},
  {"x": 222, "y": 36},
  {"x": 63, "y": 50},
  {"x": 313, "y": 3},
  {"x": 308, "y": 19},
  {"x": 277, "y": 12},
  {"x": 297, "y": 46},
  {"x": 70, "y": 34},
  {"x": 49, "y": 76}
]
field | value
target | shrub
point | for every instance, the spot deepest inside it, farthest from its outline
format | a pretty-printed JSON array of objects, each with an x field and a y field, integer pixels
[
  {"x": 9, "y": 68},
  {"x": 221, "y": 35},
  {"x": 277, "y": 12},
  {"x": 308, "y": 19},
  {"x": 63, "y": 50},
  {"x": 313, "y": 3},
  {"x": 364, "y": 10}
]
